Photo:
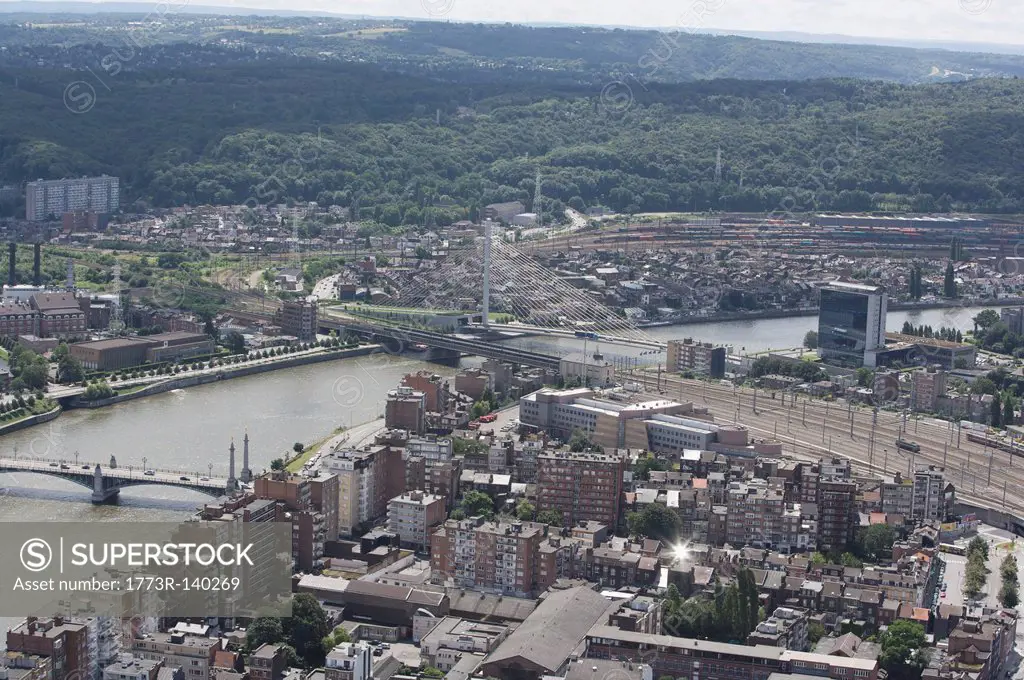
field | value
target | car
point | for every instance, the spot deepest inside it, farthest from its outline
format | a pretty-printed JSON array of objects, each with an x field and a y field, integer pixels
[
  {"x": 150, "y": 473},
  {"x": 942, "y": 594},
  {"x": 378, "y": 652},
  {"x": 65, "y": 467},
  {"x": 183, "y": 478},
  {"x": 85, "y": 467},
  {"x": 53, "y": 465},
  {"x": 204, "y": 479}
]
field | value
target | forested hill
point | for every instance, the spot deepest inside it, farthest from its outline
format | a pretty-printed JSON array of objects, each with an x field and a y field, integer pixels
[
  {"x": 219, "y": 126},
  {"x": 483, "y": 53}
]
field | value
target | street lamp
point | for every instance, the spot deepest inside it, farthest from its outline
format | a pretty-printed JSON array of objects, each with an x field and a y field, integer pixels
[
  {"x": 210, "y": 466},
  {"x": 144, "y": 466}
]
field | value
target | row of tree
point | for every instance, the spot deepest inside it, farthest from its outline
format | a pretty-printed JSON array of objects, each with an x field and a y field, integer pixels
[
  {"x": 729, "y": 616},
  {"x": 976, "y": 573},
  {"x": 1009, "y": 592}
]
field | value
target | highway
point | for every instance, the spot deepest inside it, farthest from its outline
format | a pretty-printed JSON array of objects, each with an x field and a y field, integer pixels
[{"x": 811, "y": 428}]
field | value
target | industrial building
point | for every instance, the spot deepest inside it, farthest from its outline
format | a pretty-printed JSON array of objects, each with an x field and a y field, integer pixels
[{"x": 119, "y": 353}]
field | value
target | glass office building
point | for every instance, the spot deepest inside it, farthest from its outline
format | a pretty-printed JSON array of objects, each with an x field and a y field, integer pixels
[{"x": 851, "y": 323}]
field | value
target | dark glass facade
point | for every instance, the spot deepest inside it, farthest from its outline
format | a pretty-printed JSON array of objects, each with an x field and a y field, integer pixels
[{"x": 843, "y": 327}]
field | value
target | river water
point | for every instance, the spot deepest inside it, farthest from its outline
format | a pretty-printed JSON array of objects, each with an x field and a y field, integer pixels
[{"x": 190, "y": 430}]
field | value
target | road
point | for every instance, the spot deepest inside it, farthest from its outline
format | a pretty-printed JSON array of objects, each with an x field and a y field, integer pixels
[
  {"x": 158, "y": 476},
  {"x": 326, "y": 289},
  {"x": 812, "y": 428}
]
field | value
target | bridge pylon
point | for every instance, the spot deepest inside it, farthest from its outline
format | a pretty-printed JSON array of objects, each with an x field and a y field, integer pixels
[{"x": 104, "y": 489}]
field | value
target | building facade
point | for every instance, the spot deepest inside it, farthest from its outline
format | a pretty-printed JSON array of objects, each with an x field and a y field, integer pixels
[
  {"x": 50, "y": 199},
  {"x": 413, "y": 517},
  {"x": 851, "y": 323},
  {"x": 581, "y": 486},
  {"x": 700, "y": 357}
]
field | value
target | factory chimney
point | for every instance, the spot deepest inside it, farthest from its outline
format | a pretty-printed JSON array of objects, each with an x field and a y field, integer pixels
[
  {"x": 37, "y": 265},
  {"x": 12, "y": 250}
]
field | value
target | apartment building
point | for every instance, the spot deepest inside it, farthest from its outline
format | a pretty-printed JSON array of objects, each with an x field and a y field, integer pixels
[
  {"x": 413, "y": 516},
  {"x": 706, "y": 660},
  {"x": 581, "y": 486},
  {"x": 299, "y": 318},
  {"x": 495, "y": 557},
  {"x": 700, "y": 357},
  {"x": 837, "y": 513},
  {"x": 268, "y": 662},
  {"x": 785, "y": 628},
  {"x": 406, "y": 409},
  {"x": 926, "y": 386},
  {"x": 311, "y": 504},
  {"x": 757, "y": 515},
  {"x": 349, "y": 661},
  {"x": 130, "y": 668},
  {"x": 897, "y": 496},
  {"x": 929, "y": 500},
  {"x": 64, "y": 641},
  {"x": 434, "y": 388},
  {"x": 983, "y": 645},
  {"x": 194, "y": 654},
  {"x": 50, "y": 199},
  {"x": 362, "y": 486}
]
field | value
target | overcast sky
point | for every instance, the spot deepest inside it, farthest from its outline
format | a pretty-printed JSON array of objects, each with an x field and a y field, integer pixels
[{"x": 992, "y": 21}]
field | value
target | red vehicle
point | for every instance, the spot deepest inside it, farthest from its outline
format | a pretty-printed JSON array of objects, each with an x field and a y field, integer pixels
[
  {"x": 474, "y": 425},
  {"x": 489, "y": 418}
]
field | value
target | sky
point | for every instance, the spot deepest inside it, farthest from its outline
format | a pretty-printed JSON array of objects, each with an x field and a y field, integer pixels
[{"x": 981, "y": 21}]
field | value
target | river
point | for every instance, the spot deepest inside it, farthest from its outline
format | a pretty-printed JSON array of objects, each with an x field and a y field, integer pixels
[{"x": 191, "y": 429}]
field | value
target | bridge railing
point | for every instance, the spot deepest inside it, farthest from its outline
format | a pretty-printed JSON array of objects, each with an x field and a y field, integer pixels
[{"x": 131, "y": 468}]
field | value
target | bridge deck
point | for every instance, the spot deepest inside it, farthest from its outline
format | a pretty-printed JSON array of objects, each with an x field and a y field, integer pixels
[{"x": 84, "y": 472}]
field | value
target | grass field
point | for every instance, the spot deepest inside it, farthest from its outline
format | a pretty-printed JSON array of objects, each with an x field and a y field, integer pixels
[{"x": 367, "y": 33}]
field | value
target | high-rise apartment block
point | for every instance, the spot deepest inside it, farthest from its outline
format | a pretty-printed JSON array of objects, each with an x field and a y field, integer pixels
[
  {"x": 489, "y": 556},
  {"x": 299, "y": 318},
  {"x": 581, "y": 486},
  {"x": 926, "y": 387},
  {"x": 413, "y": 517},
  {"x": 851, "y": 323},
  {"x": 50, "y": 199}
]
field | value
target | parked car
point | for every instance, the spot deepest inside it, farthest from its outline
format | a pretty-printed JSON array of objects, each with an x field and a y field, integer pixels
[{"x": 150, "y": 473}]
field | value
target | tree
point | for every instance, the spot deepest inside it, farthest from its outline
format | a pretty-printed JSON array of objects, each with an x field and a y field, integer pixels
[
  {"x": 865, "y": 377},
  {"x": 234, "y": 341},
  {"x": 277, "y": 464},
  {"x": 997, "y": 411},
  {"x": 903, "y": 653},
  {"x": 985, "y": 319},
  {"x": 297, "y": 447},
  {"x": 477, "y": 503},
  {"x": 306, "y": 628},
  {"x": 580, "y": 441},
  {"x": 645, "y": 465},
  {"x": 1009, "y": 596},
  {"x": 978, "y": 545},
  {"x": 811, "y": 340},
  {"x": 876, "y": 541},
  {"x": 432, "y": 672},
  {"x": 655, "y": 521},
  {"x": 552, "y": 517},
  {"x": 815, "y": 631},
  {"x": 337, "y": 636},
  {"x": 525, "y": 510},
  {"x": 949, "y": 282},
  {"x": 264, "y": 630},
  {"x": 1009, "y": 414},
  {"x": 69, "y": 369}
]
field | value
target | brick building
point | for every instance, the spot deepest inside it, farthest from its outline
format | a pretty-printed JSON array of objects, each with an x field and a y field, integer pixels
[
  {"x": 413, "y": 517},
  {"x": 581, "y": 486}
]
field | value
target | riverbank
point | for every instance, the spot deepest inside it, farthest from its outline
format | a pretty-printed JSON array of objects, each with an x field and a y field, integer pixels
[
  {"x": 225, "y": 373},
  {"x": 813, "y": 311},
  {"x": 30, "y": 421}
]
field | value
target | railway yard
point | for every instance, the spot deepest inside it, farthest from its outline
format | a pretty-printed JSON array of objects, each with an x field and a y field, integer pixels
[{"x": 811, "y": 428}]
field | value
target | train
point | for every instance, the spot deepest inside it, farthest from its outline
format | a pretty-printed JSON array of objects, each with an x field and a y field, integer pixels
[{"x": 908, "y": 446}]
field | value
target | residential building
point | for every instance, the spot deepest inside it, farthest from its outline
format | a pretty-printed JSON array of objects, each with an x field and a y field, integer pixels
[
  {"x": 349, "y": 661},
  {"x": 926, "y": 387},
  {"x": 930, "y": 494},
  {"x": 1013, "y": 317},
  {"x": 495, "y": 557},
  {"x": 434, "y": 388},
  {"x": 700, "y": 357},
  {"x": 983, "y": 645},
  {"x": 473, "y": 382},
  {"x": 268, "y": 662},
  {"x": 786, "y": 628},
  {"x": 194, "y": 654},
  {"x": 413, "y": 517},
  {"x": 897, "y": 496},
  {"x": 63, "y": 641},
  {"x": 299, "y": 318},
  {"x": 581, "y": 486},
  {"x": 50, "y": 199},
  {"x": 851, "y": 323},
  {"x": 311, "y": 505},
  {"x": 130, "y": 668},
  {"x": 837, "y": 514},
  {"x": 362, "y": 486},
  {"x": 757, "y": 516},
  {"x": 406, "y": 409}
]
